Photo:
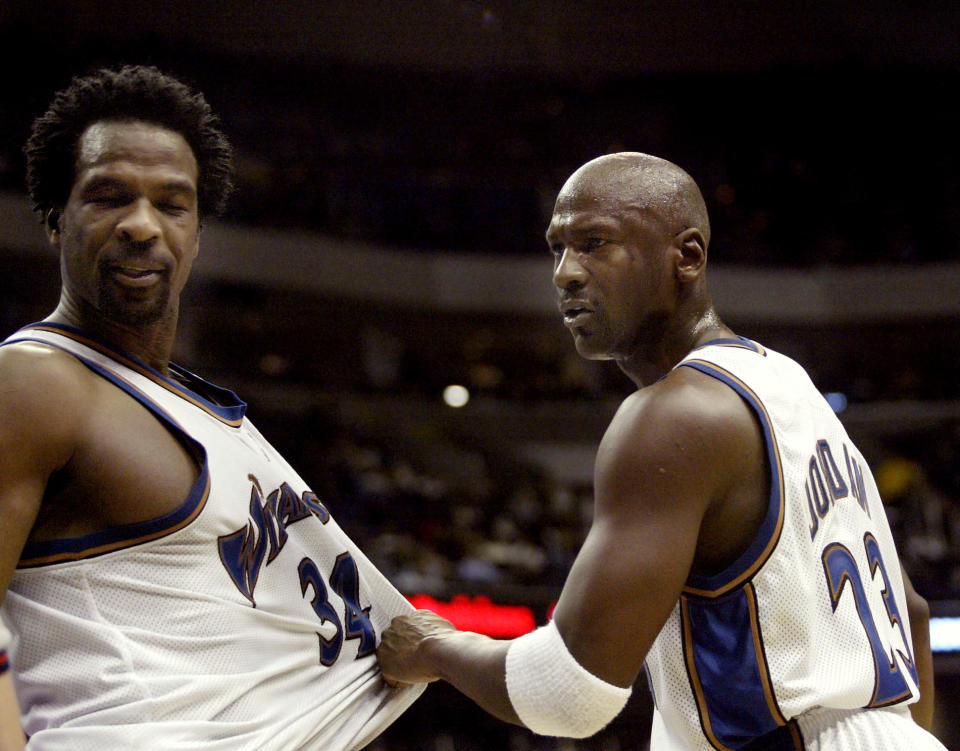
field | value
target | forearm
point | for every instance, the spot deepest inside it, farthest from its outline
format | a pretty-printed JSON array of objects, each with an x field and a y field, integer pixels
[
  {"x": 421, "y": 647},
  {"x": 531, "y": 681},
  {"x": 476, "y": 666}
]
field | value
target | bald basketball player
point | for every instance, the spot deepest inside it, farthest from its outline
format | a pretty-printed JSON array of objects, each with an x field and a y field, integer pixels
[{"x": 739, "y": 547}]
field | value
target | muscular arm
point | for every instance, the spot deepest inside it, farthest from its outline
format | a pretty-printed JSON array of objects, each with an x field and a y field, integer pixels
[
  {"x": 919, "y": 613},
  {"x": 673, "y": 455},
  {"x": 669, "y": 452},
  {"x": 38, "y": 417}
]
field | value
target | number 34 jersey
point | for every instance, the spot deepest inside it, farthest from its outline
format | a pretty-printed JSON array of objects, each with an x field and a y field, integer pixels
[
  {"x": 244, "y": 619},
  {"x": 813, "y": 614}
]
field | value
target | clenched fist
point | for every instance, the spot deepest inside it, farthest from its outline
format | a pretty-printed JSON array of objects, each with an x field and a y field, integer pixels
[{"x": 404, "y": 650}]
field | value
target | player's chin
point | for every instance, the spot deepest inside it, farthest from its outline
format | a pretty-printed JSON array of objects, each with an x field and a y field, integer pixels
[{"x": 591, "y": 347}]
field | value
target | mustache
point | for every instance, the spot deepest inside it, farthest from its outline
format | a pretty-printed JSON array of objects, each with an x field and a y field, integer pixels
[{"x": 135, "y": 254}]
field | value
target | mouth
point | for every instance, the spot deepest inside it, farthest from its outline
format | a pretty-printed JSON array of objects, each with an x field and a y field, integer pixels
[
  {"x": 574, "y": 311},
  {"x": 135, "y": 276}
]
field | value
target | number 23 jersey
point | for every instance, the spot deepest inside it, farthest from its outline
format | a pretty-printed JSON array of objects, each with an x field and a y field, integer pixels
[
  {"x": 244, "y": 619},
  {"x": 813, "y": 613}
]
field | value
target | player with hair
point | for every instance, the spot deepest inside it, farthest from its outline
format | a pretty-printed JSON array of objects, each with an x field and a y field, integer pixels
[
  {"x": 168, "y": 580},
  {"x": 739, "y": 549}
]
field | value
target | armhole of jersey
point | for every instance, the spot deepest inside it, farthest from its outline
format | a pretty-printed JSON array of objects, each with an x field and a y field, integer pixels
[
  {"x": 61, "y": 550},
  {"x": 769, "y": 533}
]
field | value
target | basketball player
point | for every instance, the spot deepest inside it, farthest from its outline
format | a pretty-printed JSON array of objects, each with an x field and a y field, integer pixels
[
  {"x": 739, "y": 548},
  {"x": 169, "y": 580}
]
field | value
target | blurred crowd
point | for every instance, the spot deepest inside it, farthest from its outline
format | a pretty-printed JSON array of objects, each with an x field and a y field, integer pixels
[
  {"x": 498, "y": 529},
  {"x": 919, "y": 479}
]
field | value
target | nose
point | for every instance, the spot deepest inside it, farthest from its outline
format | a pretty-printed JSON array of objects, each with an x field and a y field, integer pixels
[
  {"x": 139, "y": 225},
  {"x": 568, "y": 273}
]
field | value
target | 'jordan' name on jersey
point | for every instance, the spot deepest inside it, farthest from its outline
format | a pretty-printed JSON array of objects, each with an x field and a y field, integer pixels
[{"x": 825, "y": 485}]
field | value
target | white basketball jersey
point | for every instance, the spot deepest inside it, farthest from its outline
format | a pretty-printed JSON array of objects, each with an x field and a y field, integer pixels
[
  {"x": 813, "y": 614},
  {"x": 245, "y": 619}
]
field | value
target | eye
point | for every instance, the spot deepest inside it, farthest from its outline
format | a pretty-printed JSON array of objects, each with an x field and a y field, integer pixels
[
  {"x": 108, "y": 200},
  {"x": 592, "y": 243},
  {"x": 556, "y": 249},
  {"x": 174, "y": 209}
]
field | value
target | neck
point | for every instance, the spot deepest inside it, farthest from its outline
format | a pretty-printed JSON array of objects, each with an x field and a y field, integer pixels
[
  {"x": 150, "y": 342},
  {"x": 644, "y": 367}
]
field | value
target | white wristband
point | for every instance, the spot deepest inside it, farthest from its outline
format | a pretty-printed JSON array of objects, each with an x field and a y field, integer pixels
[
  {"x": 4, "y": 636},
  {"x": 552, "y": 693}
]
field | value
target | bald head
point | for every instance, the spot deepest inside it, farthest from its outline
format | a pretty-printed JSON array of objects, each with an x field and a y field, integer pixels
[
  {"x": 630, "y": 181},
  {"x": 629, "y": 237}
]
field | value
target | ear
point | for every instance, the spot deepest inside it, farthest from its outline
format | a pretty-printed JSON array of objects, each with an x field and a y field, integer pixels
[
  {"x": 693, "y": 254},
  {"x": 51, "y": 225}
]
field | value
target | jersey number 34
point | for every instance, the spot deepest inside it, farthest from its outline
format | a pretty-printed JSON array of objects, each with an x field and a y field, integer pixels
[{"x": 356, "y": 624}]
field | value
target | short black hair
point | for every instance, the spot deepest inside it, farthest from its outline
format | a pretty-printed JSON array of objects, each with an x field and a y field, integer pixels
[{"x": 131, "y": 92}]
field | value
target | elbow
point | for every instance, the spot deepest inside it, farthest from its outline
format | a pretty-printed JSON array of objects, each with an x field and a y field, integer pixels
[
  {"x": 916, "y": 604},
  {"x": 918, "y": 609}
]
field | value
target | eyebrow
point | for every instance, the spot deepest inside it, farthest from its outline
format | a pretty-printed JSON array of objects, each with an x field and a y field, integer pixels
[
  {"x": 594, "y": 224},
  {"x": 168, "y": 186}
]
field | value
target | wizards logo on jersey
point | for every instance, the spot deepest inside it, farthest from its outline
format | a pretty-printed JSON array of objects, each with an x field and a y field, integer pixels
[{"x": 245, "y": 551}]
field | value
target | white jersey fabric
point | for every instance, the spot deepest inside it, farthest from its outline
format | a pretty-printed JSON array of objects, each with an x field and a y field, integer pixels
[
  {"x": 244, "y": 619},
  {"x": 810, "y": 622}
]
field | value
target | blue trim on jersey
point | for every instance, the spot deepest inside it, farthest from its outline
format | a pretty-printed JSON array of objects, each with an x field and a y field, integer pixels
[
  {"x": 228, "y": 407},
  {"x": 728, "y": 673},
  {"x": 769, "y": 530}
]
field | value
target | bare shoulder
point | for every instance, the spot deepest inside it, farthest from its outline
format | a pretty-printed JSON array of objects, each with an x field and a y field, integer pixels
[
  {"x": 31, "y": 367},
  {"x": 44, "y": 393},
  {"x": 686, "y": 409},
  {"x": 682, "y": 438}
]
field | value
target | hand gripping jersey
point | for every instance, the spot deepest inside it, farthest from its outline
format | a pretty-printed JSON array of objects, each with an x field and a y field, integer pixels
[
  {"x": 244, "y": 619},
  {"x": 810, "y": 624}
]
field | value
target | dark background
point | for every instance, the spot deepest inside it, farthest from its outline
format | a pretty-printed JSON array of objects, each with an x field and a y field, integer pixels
[
  {"x": 821, "y": 132},
  {"x": 823, "y": 136}
]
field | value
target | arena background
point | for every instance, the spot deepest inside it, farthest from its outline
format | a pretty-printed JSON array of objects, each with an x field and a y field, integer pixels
[{"x": 397, "y": 163}]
